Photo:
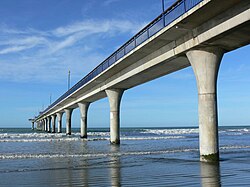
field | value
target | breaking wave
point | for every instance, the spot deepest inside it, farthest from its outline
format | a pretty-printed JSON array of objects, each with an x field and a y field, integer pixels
[{"x": 47, "y": 155}]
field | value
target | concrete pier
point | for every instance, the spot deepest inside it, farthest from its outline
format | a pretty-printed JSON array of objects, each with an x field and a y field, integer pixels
[
  {"x": 114, "y": 96},
  {"x": 33, "y": 125},
  {"x": 68, "y": 113},
  {"x": 59, "y": 121},
  {"x": 83, "y": 106},
  {"x": 49, "y": 124},
  {"x": 45, "y": 124},
  {"x": 190, "y": 36},
  {"x": 205, "y": 63},
  {"x": 53, "y": 119}
]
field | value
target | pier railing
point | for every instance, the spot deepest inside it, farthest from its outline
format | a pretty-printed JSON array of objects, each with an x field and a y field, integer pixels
[{"x": 179, "y": 8}]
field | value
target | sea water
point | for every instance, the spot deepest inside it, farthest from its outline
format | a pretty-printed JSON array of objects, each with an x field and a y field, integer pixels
[{"x": 146, "y": 157}]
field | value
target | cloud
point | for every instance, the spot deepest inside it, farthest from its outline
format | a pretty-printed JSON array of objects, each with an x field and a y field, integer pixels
[
  {"x": 45, "y": 56},
  {"x": 67, "y": 42},
  {"x": 108, "y": 2},
  {"x": 96, "y": 26},
  {"x": 20, "y": 44}
]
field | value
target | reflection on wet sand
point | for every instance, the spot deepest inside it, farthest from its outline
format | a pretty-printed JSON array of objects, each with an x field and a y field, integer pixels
[
  {"x": 115, "y": 167},
  {"x": 210, "y": 174},
  {"x": 84, "y": 174}
]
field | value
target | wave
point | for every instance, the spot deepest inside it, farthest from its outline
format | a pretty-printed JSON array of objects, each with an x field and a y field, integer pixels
[
  {"x": 116, "y": 154},
  {"x": 141, "y": 134},
  {"x": 39, "y": 140},
  {"x": 152, "y": 138},
  {"x": 171, "y": 131},
  {"x": 98, "y": 133},
  {"x": 48, "y": 155},
  {"x": 236, "y": 131},
  {"x": 30, "y": 135},
  {"x": 89, "y": 139},
  {"x": 235, "y": 147}
]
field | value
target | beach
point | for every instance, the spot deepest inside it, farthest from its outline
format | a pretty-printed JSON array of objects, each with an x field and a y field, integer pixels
[{"x": 146, "y": 157}]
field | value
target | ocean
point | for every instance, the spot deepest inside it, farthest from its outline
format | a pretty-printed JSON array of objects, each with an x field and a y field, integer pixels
[{"x": 146, "y": 157}]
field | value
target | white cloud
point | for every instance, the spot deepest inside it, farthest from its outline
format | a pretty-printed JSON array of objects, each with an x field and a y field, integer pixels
[
  {"x": 33, "y": 55},
  {"x": 20, "y": 44},
  {"x": 96, "y": 26},
  {"x": 108, "y": 2}
]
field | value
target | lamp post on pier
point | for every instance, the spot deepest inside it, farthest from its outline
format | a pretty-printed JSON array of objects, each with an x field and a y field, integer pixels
[
  {"x": 69, "y": 80},
  {"x": 163, "y": 6}
]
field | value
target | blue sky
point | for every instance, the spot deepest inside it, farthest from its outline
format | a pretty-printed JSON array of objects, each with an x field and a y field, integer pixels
[{"x": 41, "y": 40}]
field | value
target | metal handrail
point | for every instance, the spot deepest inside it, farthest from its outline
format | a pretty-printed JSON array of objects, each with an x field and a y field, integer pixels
[{"x": 179, "y": 8}]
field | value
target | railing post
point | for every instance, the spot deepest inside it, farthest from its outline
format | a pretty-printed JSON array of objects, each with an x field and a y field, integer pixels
[{"x": 163, "y": 18}]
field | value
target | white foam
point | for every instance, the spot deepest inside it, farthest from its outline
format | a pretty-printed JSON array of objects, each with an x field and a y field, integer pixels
[
  {"x": 40, "y": 140},
  {"x": 171, "y": 131},
  {"x": 29, "y": 135},
  {"x": 235, "y": 147},
  {"x": 152, "y": 138},
  {"x": 33, "y": 156},
  {"x": 98, "y": 133}
]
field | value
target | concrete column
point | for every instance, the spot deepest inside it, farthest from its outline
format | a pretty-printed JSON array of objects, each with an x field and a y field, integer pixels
[
  {"x": 83, "y": 106},
  {"x": 114, "y": 96},
  {"x": 45, "y": 124},
  {"x": 59, "y": 121},
  {"x": 49, "y": 124},
  {"x": 32, "y": 125},
  {"x": 42, "y": 125},
  {"x": 38, "y": 126},
  {"x": 68, "y": 113},
  {"x": 53, "y": 118},
  {"x": 205, "y": 63}
]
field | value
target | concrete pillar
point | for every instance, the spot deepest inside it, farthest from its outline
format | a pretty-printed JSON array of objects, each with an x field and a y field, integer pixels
[
  {"x": 45, "y": 124},
  {"x": 68, "y": 113},
  {"x": 42, "y": 125},
  {"x": 59, "y": 121},
  {"x": 114, "y": 96},
  {"x": 83, "y": 106},
  {"x": 49, "y": 124},
  {"x": 205, "y": 63},
  {"x": 32, "y": 125},
  {"x": 53, "y": 118}
]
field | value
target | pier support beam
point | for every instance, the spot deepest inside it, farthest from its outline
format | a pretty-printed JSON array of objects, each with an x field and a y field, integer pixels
[
  {"x": 53, "y": 118},
  {"x": 68, "y": 113},
  {"x": 205, "y": 63},
  {"x": 83, "y": 106},
  {"x": 59, "y": 121},
  {"x": 49, "y": 124},
  {"x": 114, "y": 96},
  {"x": 33, "y": 125},
  {"x": 45, "y": 124}
]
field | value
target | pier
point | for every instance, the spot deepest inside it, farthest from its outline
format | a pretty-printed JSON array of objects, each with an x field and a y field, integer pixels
[{"x": 194, "y": 33}]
